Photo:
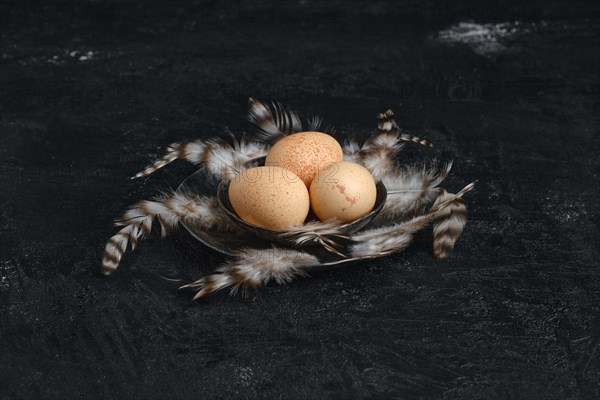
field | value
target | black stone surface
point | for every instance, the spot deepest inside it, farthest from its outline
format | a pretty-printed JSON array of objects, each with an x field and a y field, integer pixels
[{"x": 90, "y": 90}]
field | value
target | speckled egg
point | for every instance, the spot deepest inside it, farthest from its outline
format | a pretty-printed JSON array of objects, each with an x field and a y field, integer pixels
[
  {"x": 305, "y": 153},
  {"x": 270, "y": 197},
  {"x": 343, "y": 190}
]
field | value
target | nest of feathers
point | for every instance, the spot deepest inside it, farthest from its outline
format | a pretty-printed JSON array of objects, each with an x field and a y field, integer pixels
[{"x": 415, "y": 200}]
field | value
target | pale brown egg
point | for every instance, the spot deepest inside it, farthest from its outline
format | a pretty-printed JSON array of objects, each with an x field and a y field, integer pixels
[
  {"x": 342, "y": 190},
  {"x": 270, "y": 197},
  {"x": 305, "y": 153}
]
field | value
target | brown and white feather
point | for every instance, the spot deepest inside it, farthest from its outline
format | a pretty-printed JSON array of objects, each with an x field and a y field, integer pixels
[
  {"x": 377, "y": 242},
  {"x": 255, "y": 268},
  {"x": 387, "y": 123},
  {"x": 379, "y": 152},
  {"x": 169, "y": 210},
  {"x": 272, "y": 121},
  {"x": 411, "y": 190},
  {"x": 217, "y": 156},
  {"x": 448, "y": 224},
  {"x": 326, "y": 234}
]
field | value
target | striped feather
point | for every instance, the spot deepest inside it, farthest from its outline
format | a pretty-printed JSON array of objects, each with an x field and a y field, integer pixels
[
  {"x": 378, "y": 153},
  {"x": 387, "y": 123},
  {"x": 410, "y": 190},
  {"x": 314, "y": 123},
  {"x": 217, "y": 156},
  {"x": 257, "y": 267},
  {"x": 448, "y": 225},
  {"x": 169, "y": 210},
  {"x": 325, "y": 233},
  {"x": 254, "y": 268},
  {"x": 272, "y": 121},
  {"x": 377, "y": 242}
]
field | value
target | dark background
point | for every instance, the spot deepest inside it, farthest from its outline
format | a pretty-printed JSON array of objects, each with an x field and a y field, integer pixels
[{"x": 89, "y": 90}]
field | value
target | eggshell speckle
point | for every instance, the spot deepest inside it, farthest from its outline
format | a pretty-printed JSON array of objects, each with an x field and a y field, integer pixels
[
  {"x": 343, "y": 190},
  {"x": 270, "y": 197},
  {"x": 305, "y": 153}
]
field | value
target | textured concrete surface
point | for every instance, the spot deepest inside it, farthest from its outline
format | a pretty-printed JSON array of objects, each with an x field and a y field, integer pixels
[{"x": 511, "y": 93}]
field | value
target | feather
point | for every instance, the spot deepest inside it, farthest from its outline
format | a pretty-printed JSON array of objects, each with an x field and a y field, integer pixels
[
  {"x": 378, "y": 153},
  {"x": 380, "y": 161},
  {"x": 410, "y": 190},
  {"x": 377, "y": 242},
  {"x": 387, "y": 123},
  {"x": 254, "y": 268},
  {"x": 169, "y": 210},
  {"x": 314, "y": 123},
  {"x": 116, "y": 247},
  {"x": 326, "y": 233},
  {"x": 448, "y": 225},
  {"x": 351, "y": 150},
  {"x": 272, "y": 121},
  {"x": 251, "y": 267},
  {"x": 217, "y": 156},
  {"x": 173, "y": 153}
]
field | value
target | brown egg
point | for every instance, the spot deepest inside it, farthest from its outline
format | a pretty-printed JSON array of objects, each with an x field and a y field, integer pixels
[
  {"x": 305, "y": 153},
  {"x": 270, "y": 197},
  {"x": 343, "y": 190}
]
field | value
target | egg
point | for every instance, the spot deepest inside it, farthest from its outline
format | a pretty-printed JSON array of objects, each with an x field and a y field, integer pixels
[
  {"x": 270, "y": 197},
  {"x": 342, "y": 190},
  {"x": 305, "y": 153}
]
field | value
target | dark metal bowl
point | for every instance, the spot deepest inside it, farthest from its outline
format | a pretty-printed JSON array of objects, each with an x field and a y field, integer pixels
[{"x": 286, "y": 236}]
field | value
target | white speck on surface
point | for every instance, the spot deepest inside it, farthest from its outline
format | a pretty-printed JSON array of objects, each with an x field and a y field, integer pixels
[
  {"x": 246, "y": 375},
  {"x": 488, "y": 39},
  {"x": 87, "y": 56},
  {"x": 482, "y": 38},
  {"x": 564, "y": 210}
]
